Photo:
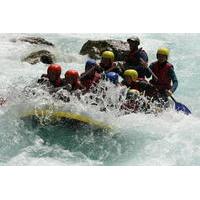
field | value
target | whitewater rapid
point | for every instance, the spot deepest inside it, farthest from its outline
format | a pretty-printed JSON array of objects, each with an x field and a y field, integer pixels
[{"x": 170, "y": 138}]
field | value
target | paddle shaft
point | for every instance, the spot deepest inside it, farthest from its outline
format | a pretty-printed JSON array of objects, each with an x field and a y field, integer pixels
[
  {"x": 152, "y": 73},
  {"x": 173, "y": 99},
  {"x": 146, "y": 65}
]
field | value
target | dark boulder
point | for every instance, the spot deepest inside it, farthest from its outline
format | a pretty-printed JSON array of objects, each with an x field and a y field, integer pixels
[
  {"x": 33, "y": 40},
  {"x": 35, "y": 57},
  {"x": 94, "y": 48}
]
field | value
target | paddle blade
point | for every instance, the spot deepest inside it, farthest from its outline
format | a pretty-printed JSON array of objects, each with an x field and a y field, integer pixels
[{"x": 182, "y": 107}]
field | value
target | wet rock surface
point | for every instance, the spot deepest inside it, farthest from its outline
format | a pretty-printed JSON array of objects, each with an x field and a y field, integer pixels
[
  {"x": 94, "y": 48},
  {"x": 35, "y": 57},
  {"x": 34, "y": 40}
]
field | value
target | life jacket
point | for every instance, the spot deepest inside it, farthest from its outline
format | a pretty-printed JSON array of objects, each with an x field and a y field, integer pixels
[
  {"x": 58, "y": 83},
  {"x": 88, "y": 81},
  {"x": 77, "y": 85},
  {"x": 134, "y": 57},
  {"x": 108, "y": 66},
  {"x": 140, "y": 85},
  {"x": 137, "y": 85},
  {"x": 162, "y": 72}
]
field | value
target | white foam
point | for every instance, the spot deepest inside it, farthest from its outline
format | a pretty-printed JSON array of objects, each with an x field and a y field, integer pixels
[{"x": 169, "y": 138}]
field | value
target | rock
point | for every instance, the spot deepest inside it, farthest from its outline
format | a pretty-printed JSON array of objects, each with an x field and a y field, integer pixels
[
  {"x": 35, "y": 57},
  {"x": 94, "y": 48},
  {"x": 33, "y": 40}
]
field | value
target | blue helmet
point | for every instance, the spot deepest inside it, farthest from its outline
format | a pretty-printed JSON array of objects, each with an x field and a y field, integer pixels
[
  {"x": 89, "y": 64},
  {"x": 113, "y": 77}
]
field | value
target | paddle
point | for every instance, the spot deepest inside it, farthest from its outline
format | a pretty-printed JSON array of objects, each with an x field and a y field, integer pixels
[
  {"x": 178, "y": 106},
  {"x": 181, "y": 107},
  {"x": 152, "y": 73},
  {"x": 145, "y": 64}
]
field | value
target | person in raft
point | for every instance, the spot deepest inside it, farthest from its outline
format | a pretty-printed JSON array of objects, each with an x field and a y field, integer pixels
[
  {"x": 137, "y": 58},
  {"x": 107, "y": 63},
  {"x": 52, "y": 78},
  {"x": 72, "y": 81},
  {"x": 132, "y": 81},
  {"x": 164, "y": 79},
  {"x": 90, "y": 78}
]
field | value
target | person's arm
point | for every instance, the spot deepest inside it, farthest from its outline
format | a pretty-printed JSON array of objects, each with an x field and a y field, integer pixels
[
  {"x": 172, "y": 75},
  {"x": 80, "y": 85},
  {"x": 43, "y": 78},
  {"x": 86, "y": 73},
  {"x": 111, "y": 68},
  {"x": 145, "y": 85},
  {"x": 144, "y": 63},
  {"x": 123, "y": 83},
  {"x": 144, "y": 56},
  {"x": 99, "y": 69}
]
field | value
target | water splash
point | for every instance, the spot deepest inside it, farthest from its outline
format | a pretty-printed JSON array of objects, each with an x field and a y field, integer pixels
[{"x": 169, "y": 138}]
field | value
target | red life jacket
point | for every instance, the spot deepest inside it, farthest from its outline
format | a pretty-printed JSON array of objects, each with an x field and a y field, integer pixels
[
  {"x": 133, "y": 85},
  {"x": 89, "y": 81},
  {"x": 77, "y": 85},
  {"x": 133, "y": 57},
  {"x": 162, "y": 72},
  {"x": 107, "y": 67},
  {"x": 136, "y": 84},
  {"x": 58, "y": 83}
]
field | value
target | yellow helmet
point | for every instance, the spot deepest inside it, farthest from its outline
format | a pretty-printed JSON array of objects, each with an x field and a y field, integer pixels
[
  {"x": 163, "y": 51},
  {"x": 132, "y": 94},
  {"x": 132, "y": 73},
  {"x": 108, "y": 54}
]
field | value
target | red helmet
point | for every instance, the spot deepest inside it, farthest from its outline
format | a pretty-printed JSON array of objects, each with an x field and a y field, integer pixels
[
  {"x": 55, "y": 68},
  {"x": 72, "y": 73}
]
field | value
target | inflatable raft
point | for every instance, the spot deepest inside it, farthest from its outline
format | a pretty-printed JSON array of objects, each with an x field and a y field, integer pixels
[{"x": 73, "y": 120}]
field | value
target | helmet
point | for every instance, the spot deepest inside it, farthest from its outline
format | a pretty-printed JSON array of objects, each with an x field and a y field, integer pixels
[
  {"x": 163, "y": 51},
  {"x": 134, "y": 39},
  {"x": 108, "y": 54},
  {"x": 72, "y": 73},
  {"x": 132, "y": 94},
  {"x": 113, "y": 77},
  {"x": 132, "y": 73},
  {"x": 55, "y": 68},
  {"x": 89, "y": 64}
]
